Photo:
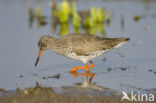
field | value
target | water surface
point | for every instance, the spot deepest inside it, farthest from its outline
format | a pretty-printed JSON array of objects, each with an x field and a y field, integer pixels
[{"x": 19, "y": 49}]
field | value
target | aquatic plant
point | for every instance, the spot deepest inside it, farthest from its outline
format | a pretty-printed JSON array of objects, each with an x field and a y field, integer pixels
[
  {"x": 64, "y": 12},
  {"x": 88, "y": 22},
  {"x": 31, "y": 14},
  {"x": 101, "y": 29},
  {"x": 31, "y": 17},
  {"x": 39, "y": 13},
  {"x": 100, "y": 16},
  {"x": 136, "y": 18},
  {"x": 63, "y": 29},
  {"x": 106, "y": 16},
  {"x": 55, "y": 13},
  {"x": 76, "y": 20},
  {"x": 122, "y": 20},
  {"x": 91, "y": 20},
  {"x": 93, "y": 14}
]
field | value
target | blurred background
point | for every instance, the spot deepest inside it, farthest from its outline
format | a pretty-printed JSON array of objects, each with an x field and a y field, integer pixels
[{"x": 23, "y": 22}]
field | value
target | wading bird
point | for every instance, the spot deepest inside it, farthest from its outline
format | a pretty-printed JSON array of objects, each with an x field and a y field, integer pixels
[{"x": 79, "y": 46}]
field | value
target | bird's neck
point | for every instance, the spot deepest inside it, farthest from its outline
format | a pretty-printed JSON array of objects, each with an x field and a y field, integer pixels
[{"x": 54, "y": 44}]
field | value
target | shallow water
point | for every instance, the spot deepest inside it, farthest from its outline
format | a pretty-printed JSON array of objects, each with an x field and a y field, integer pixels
[{"x": 19, "y": 49}]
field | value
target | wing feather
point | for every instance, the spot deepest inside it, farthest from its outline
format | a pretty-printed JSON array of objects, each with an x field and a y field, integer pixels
[{"x": 86, "y": 44}]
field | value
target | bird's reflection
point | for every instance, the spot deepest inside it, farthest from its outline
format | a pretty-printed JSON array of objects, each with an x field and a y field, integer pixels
[
  {"x": 86, "y": 74},
  {"x": 87, "y": 82}
]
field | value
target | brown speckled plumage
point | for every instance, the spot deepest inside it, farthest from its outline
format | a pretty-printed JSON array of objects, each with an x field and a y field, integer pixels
[{"x": 81, "y": 45}]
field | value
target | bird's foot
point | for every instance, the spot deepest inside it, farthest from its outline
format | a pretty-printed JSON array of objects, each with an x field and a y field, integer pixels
[
  {"x": 73, "y": 70},
  {"x": 85, "y": 67}
]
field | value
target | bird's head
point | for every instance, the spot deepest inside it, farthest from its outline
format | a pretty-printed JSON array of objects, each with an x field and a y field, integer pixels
[{"x": 43, "y": 44}]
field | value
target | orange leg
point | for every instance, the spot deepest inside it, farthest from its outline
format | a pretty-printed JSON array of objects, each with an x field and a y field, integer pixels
[{"x": 85, "y": 67}]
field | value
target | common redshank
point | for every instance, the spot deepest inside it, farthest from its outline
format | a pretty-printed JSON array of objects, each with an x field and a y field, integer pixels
[{"x": 79, "y": 46}]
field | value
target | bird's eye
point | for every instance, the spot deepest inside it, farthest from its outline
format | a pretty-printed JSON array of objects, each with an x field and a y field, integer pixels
[{"x": 42, "y": 45}]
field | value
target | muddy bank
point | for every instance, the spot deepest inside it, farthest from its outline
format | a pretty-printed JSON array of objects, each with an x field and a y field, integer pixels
[{"x": 67, "y": 95}]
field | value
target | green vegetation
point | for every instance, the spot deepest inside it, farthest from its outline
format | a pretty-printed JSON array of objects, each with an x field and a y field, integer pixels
[{"x": 66, "y": 13}]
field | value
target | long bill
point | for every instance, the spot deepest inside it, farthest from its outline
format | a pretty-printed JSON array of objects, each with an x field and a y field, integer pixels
[{"x": 40, "y": 53}]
